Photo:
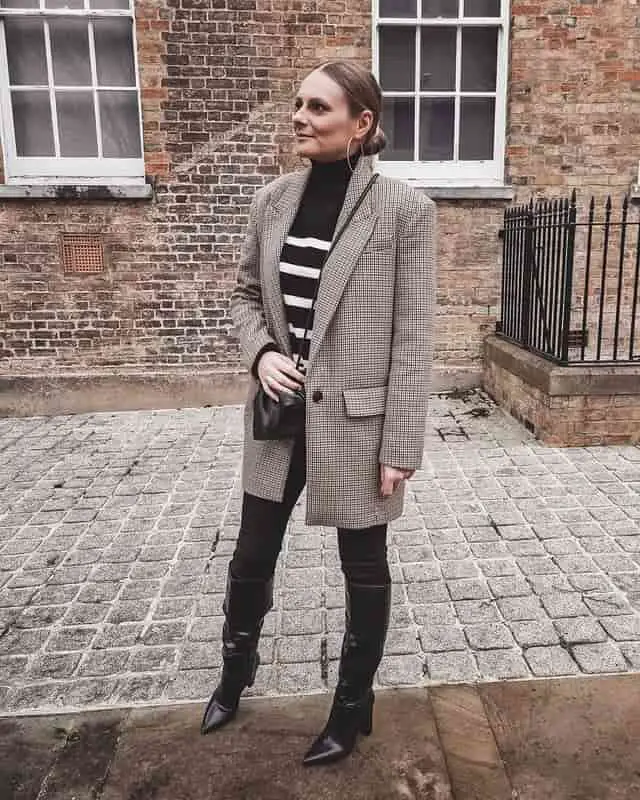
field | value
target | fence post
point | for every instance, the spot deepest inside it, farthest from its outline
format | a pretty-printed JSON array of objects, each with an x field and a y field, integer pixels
[
  {"x": 568, "y": 278},
  {"x": 634, "y": 302},
  {"x": 623, "y": 242},
  {"x": 527, "y": 277}
]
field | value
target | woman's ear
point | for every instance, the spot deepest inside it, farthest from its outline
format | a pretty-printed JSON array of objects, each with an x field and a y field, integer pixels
[{"x": 365, "y": 121}]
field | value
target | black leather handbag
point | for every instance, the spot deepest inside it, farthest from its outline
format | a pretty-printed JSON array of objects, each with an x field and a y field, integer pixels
[{"x": 285, "y": 418}]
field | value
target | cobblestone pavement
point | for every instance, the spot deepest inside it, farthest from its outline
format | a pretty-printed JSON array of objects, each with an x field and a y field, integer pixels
[{"x": 512, "y": 560}]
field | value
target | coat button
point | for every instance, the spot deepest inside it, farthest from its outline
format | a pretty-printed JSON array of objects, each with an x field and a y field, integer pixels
[{"x": 316, "y": 397}]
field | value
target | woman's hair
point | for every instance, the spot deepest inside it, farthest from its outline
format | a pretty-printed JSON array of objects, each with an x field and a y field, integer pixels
[{"x": 363, "y": 92}]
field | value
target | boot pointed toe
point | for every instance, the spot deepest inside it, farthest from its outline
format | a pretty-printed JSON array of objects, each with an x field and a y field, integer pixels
[
  {"x": 216, "y": 716},
  {"x": 325, "y": 750}
]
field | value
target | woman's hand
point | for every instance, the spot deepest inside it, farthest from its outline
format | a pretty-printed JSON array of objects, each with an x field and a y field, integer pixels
[
  {"x": 278, "y": 374},
  {"x": 390, "y": 478}
]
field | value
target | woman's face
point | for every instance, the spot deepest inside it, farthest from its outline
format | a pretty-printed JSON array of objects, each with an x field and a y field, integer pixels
[{"x": 322, "y": 120}]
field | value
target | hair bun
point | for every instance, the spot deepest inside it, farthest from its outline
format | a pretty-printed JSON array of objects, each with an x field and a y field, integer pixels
[{"x": 376, "y": 143}]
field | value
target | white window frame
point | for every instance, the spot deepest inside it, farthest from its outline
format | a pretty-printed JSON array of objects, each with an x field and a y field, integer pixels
[
  {"x": 488, "y": 173},
  {"x": 63, "y": 169}
]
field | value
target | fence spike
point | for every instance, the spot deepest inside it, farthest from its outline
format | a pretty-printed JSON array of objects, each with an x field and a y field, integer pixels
[
  {"x": 608, "y": 204},
  {"x": 574, "y": 197},
  {"x": 625, "y": 214}
]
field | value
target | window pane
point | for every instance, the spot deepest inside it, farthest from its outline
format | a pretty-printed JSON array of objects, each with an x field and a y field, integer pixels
[
  {"x": 436, "y": 129},
  {"x": 439, "y": 8},
  {"x": 477, "y": 116},
  {"x": 114, "y": 52},
  {"x": 32, "y": 122},
  {"x": 397, "y": 59},
  {"x": 482, "y": 8},
  {"x": 438, "y": 59},
  {"x": 19, "y": 3},
  {"x": 120, "y": 122},
  {"x": 26, "y": 53},
  {"x": 123, "y": 4},
  {"x": 70, "y": 52},
  {"x": 398, "y": 125},
  {"x": 75, "y": 4},
  {"x": 479, "y": 59},
  {"x": 397, "y": 8},
  {"x": 76, "y": 124}
]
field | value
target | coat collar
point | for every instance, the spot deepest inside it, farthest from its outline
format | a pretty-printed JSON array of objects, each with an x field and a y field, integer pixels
[{"x": 339, "y": 265}]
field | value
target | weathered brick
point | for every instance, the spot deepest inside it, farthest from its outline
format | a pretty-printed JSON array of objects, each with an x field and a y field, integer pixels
[{"x": 217, "y": 126}]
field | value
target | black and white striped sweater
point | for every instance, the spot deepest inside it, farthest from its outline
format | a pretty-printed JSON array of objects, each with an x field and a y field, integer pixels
[{"x": 306, "y": 246}]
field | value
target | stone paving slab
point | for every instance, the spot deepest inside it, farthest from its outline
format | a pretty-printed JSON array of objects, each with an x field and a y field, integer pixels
[
  {"x": 569, "y": 739},
  {"x": 512, "y": 560},
  {"x": 159, "y": 754}
]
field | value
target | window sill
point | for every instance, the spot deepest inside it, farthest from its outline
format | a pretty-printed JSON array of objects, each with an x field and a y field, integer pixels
[
  {"x": 465, "y": 192},
  {"x": 84, "y": 191}
]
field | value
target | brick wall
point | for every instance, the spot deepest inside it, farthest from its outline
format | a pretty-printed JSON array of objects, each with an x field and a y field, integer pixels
[
  {"x": 564, "y": 406},
  {"x": 566, "y": 421},
  {"x": 217, "y": 81},
  {"x": 574, "y": 96}
]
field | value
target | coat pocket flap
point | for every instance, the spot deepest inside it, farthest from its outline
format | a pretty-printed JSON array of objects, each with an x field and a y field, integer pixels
[{"x": 365, "y": 402}]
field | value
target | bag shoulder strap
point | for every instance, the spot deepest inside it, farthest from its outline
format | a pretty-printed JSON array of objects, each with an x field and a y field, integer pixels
[
  {"x": 334, "y": 242},
  {"x": 352, "y": 214}
]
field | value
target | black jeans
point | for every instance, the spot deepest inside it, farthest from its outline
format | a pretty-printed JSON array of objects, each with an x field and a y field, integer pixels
[{"x": 363, "y": 551}]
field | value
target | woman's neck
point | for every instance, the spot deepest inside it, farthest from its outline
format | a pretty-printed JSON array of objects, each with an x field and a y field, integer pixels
[{"x": 341, "y": 168}]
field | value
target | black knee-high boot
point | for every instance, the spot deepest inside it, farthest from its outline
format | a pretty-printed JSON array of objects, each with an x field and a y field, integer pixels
[
  {"x": 367, "y": 620},
  {"x": 245, "y": 606}
]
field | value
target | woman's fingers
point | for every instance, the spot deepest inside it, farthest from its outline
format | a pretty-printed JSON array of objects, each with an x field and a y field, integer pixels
[
  {"x": 386, "y": 485},
  {"x": 278, "y": 374},
  {"x": 268, "y": 387},
  {"x": 287, "y": 367},
  {"x": 391, "y": 477},
  {"x": 276, "y": 383},
  {"x": 286, "y": 382},
  {"x": 270, "y": 393},
  {"x": 279, "y": 382}
]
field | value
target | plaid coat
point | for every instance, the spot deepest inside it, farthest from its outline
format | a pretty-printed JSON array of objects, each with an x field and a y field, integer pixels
[{"x": 370, "y": 356}]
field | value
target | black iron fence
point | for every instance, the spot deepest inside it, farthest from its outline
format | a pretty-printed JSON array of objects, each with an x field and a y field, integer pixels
[{"x": 570, "y": 286}]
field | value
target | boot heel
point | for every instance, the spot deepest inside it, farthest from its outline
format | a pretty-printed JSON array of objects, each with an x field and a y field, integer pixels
[
  {"x": 254, "y": 670},
  {"x": 366, "y": 721}
]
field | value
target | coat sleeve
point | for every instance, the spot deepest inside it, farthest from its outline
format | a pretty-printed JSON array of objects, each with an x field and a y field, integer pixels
[
  {"x": 245, "y": 306},
  {"x": 412, "y": 345}
]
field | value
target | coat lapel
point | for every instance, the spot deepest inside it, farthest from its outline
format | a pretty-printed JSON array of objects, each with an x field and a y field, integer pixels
[
  {"x": 281, "y": 212},
  {"x": 342, "y": 260}
]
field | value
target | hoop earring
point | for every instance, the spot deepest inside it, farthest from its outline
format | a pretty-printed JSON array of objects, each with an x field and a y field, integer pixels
[{"x": 349, "y": 155}]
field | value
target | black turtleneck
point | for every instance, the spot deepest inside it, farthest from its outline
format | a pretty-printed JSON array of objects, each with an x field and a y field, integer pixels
[
  {"x": 306, "y": 246},
  {"x": 322, "y": 199}
]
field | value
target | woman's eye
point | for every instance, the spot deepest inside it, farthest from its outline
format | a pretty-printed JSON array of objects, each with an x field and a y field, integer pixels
[{"x": 313, "y": 106}]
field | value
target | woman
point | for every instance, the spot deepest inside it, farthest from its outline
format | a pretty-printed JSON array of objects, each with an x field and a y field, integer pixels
[{"x": 365, "y": 369}]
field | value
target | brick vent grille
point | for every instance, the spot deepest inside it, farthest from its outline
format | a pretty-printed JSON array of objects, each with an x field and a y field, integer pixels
[{"x": 82, "y": 253}]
